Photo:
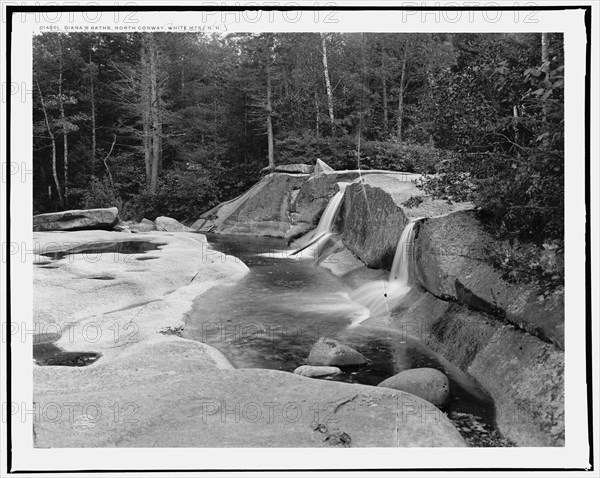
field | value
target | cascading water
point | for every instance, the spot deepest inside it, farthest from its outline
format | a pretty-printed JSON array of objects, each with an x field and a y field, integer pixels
[
  {"x": 324, "y": 229},
  {"x": 382, "y": 296}
]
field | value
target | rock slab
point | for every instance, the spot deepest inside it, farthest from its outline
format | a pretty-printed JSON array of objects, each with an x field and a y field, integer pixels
[
  {"x": 426, "y": 383},
  {"x": 76, "y": 219},
  {"x": 330, "y": 352}
]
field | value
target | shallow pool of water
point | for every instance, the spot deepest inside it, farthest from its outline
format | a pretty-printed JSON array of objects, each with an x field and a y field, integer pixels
[
  {"x": 273, "y": 316},
  {"x": 95, "y": 248}
]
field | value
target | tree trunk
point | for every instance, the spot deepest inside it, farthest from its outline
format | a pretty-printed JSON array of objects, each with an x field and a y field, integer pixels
[
  {"x": 105, "y": 161},
  {"x": 269, "y": 120},
  {"x": 401, "y": 93},
  {"x": 93, "y": 105},
  {"x": 182, "y": 77},
  {"x": 362, "y": 98},
  {"x": 53, "y": 142},
  {"x": 545, "y": 68},
  {"x": 385, "y": 97},
  {"x": 216, "y": 124},
  {"x": 545, "y": 47},
  {"x": 318, "y": 119},
  {"x": 245, "y": 133},
  {"x": 154, "y": 114},
  {"x": 63, "y": 121},
  {"x": 328, "y": 83},
  {"x": 145, "y": 101}
]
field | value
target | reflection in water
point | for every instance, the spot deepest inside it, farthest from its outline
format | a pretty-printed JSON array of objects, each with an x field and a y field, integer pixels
[{"x": 273, "y": 316}]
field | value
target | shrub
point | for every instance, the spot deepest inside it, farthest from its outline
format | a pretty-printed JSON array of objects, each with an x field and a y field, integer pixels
[
  {"x": 98, "y": 194},
  {"x": 185, "y": 194},
  {"x": 449, "y": 185}
]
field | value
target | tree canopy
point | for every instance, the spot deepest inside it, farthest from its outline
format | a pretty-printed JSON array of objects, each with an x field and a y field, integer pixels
[{"x": 172, "y": 123}]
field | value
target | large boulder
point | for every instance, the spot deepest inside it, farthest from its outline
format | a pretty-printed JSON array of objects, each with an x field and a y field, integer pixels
[
  {"x": 263, "y": 210},
  {"x": 330, "y": 352},
  {"x": 168, "y": 224},
  {"x": 170, "y": 393},
  {"x": 316, "y": 371},
  {"x": 452, "y": 258},
  {"x": 427, "y": 383},
  {"x": 315, "y": 193},
  {"x": 374, "y": 215},
  {"x": 77, "y": 219}
]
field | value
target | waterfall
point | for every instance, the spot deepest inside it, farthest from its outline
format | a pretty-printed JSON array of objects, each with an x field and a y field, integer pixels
[
  {"x": 382, "y": 296},
  {"x": 326, "y": 222},
  {"x": 403, "y": 259},
  {"x": 325, "y": 227}
]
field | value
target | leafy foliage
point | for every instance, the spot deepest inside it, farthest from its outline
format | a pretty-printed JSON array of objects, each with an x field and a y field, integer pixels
[
  {"x": 503, "y": 118},
  {"x": 522, "y": 262},
  {"x": 481, "y": 117}
]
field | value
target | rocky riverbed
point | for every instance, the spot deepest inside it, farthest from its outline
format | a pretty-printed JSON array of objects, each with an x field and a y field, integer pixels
[{"x": 148, "y": 388}]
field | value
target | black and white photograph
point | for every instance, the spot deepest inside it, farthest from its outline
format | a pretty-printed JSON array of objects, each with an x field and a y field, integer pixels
[{"x": 295, "y": 238}]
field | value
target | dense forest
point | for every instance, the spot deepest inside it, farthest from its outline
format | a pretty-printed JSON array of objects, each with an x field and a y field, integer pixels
[{"x": 171, "y": 124}]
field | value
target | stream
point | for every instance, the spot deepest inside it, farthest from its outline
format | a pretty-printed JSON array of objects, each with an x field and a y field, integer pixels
[{"x": 272, "y": 317}]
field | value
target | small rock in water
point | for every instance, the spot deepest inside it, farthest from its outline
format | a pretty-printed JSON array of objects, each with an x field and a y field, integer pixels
[
  {"x": 427, "y": 383},
  {"x": 316, "y": 371},
  {"x": 331, "y": 352}
]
